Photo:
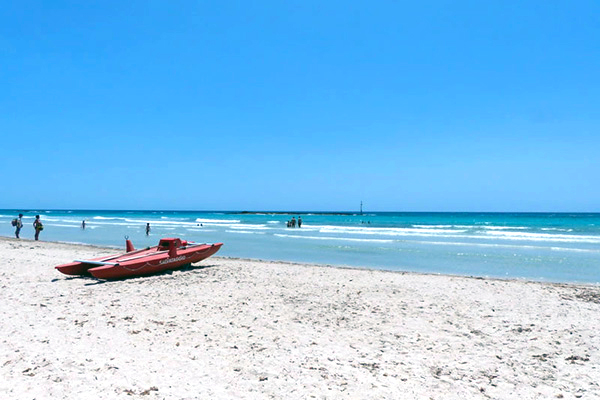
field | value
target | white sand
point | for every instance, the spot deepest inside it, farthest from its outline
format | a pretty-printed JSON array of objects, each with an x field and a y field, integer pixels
[{"x": 256, "y": 330}]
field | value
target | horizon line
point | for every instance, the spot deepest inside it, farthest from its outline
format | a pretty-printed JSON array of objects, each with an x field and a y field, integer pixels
[{"x": 352, "y": 212}]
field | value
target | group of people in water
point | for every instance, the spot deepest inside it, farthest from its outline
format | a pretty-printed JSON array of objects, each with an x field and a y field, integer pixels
[
  {"x": 292, "y": 223},
  {"x": 37, "y": 226}
]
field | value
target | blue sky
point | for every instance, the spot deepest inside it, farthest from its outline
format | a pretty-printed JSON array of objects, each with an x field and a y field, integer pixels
[{"x": 301, "y": 105}]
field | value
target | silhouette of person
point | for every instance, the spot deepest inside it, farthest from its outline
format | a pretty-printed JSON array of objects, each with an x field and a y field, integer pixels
[
  {"x": 299, "y": 222},
  {"x": 147, "y": 228},
  {"x": 293, "y": 222},
  {"x": 83, "y": 224},
  {"x": 38, "y": 226},
  {"x": 19, "y": 225}
]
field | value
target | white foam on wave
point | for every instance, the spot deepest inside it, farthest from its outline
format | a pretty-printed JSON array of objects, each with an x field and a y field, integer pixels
[
  {"x": 384, "y": 231},
  {"x": 159, "y": 222},
  {"x": 574, "y": 250},
  {"x": 127, "y": 224},
  {"x": 334, "y": 238},
  {"x": 501, "y": 245},
  {"x": 250, "y": 232},
  {"x": 217, "y": 221},
  {"x": 173, "y": 218},
  {"x": 248, "y": 226},
  {"x": 63, "y": 225},
  {"x": 491, "y": 227},
  {"x": 496, "y": 234},
  {"x": 545, "y": 237},
  {"x": 164, "y": 222},
  {"x": 168, "y": 223},
  {"x": 501, "y": 228},
  {"x": 54, "y": 220}
]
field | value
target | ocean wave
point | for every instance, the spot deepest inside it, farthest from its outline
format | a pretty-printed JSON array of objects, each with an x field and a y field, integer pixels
[
  {"x": 335, "y": 238},
  {"x": 432, "y": 226},
  {"x": 383, "y": 231},
  {"x": 217, "y": 221},
  {"x": 496, "y": 234},
  {"x": 491, "y": 227},
  {"x": 248, "y": 226},
  {"x": 501, "y": 228},
  {"x": 545, "y": 237},
  {"x": 56, "y": 220},
  {"x": 246, "y": 232},
  {"x": 62, "y": 225},
  {"x": 160, "y": 222},
  {"x": 503, "y": 246},
  {"x": 106, "y": 224}
]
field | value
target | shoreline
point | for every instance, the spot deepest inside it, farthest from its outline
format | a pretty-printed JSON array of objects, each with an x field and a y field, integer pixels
[
  {"x": 337, "y": 266},
  {"x": 236, "y": 328}
]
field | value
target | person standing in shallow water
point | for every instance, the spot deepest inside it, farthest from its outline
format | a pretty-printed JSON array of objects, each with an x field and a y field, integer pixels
[
  {"x": 38, "y": 226},
  {"x": 83, "y": 224},
  {"x": 147, "y": 228},
  {"x": 19, "y": 225},
  {"x": 299, "y": 221}
]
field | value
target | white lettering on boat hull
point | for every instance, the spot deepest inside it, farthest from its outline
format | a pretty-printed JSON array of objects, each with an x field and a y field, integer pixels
[{"x": 171, "y": 260}]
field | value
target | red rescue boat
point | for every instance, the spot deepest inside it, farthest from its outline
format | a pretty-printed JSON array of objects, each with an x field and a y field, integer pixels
[{"x": 171, "y": 253}]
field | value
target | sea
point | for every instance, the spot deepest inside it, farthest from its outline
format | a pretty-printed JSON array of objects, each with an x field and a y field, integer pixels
[{"x": 552, "y": 247}]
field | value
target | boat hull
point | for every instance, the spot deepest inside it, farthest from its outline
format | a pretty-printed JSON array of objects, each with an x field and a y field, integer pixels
[
  {"x": 154, "y": 265},
  {"x": 81, "y": 268},
  {"x": 138, "y": 263}
]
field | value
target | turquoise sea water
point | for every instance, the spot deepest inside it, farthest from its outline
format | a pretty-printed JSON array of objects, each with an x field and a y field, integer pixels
[{"x": 558, "y": 247}]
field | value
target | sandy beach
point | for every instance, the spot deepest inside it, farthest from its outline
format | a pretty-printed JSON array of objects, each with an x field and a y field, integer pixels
[{"x": 232, "y": 328}]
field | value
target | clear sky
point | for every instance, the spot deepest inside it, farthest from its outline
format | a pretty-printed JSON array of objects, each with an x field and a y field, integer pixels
[{"x": 300, "y": 105}]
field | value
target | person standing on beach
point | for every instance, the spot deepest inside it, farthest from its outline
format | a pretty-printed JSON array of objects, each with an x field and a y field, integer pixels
[
  {"x": 38, "y": 226},
  {"x": 147, "y": 228},
  {"x": 19, "y": 225},
  {"x": 299, "y": 221}
]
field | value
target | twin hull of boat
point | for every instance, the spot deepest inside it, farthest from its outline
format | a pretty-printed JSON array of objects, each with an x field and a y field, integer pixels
[{"x": 141, "y": 262}]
